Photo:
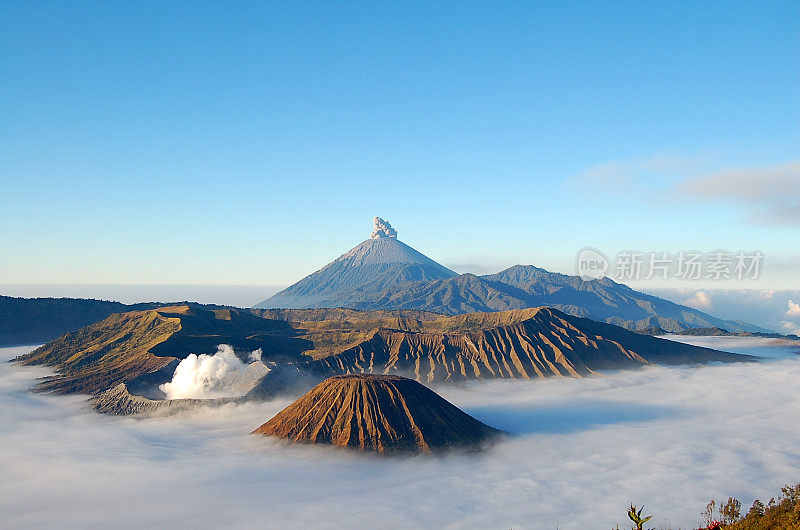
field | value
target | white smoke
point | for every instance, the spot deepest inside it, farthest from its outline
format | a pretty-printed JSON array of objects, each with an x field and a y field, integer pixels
[
  {"x": 382, "y": 229},
  {"x": 201, "y": 376}
]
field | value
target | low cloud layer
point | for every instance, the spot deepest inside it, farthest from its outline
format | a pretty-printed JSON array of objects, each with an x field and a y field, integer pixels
[
  {"x": 669, "y": 438},
  {"x": 768, "y": 308}
]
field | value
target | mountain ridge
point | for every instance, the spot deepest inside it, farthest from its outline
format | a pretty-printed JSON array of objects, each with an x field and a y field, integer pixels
[
  {"x": 532, "y": 343},
  {"x": 141, "y": 349},
  {"x": 383, "y": 273}
]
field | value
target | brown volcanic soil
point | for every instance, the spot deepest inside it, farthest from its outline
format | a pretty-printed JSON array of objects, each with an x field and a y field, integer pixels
[
  {"x": 376, "y": 413},
  {"x": 524, "y": 344}
]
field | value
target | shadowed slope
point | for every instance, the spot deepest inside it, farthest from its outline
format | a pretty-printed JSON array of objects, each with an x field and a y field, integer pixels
[
  {"x": 605, "y": 300},
  {"x": 524, "y": 344},
  {"x": 376, "y": 413}
]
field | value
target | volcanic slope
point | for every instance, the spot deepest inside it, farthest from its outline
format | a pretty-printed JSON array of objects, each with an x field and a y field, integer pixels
[
  {"x": 525, "y": 344},
  {"x": 379, "y": 263},
  {"x": 142, "y": 348}
]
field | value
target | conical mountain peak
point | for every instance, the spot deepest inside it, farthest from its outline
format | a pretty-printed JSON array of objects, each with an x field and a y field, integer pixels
[
  {"x": 376, "y": 264},
  {"x": 380, "y": 413}
]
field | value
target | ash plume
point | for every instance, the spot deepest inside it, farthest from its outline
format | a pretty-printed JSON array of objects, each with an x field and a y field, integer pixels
[{"x": 382, "y": 229}]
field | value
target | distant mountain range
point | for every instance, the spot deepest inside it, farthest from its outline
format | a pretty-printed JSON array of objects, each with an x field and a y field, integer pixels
[
  {"x": 39, "y": 320},
  {"x": 385, "y": 273}
]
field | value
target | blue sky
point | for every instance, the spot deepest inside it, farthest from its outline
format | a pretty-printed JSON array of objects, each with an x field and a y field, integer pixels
[{"x": 242, "y": 144}]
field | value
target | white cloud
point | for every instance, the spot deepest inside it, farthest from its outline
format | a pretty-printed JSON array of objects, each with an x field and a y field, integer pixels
[
  {"x": 255, "y": 355},
  {"x": 794, "y": 309},
  {"x": 771, "y": 193},
  {"x": 701, "y": 300},
  {"x": 628, "y": 171},
  {"x": 669, "y": 438},
  {"x": 382, "y": 228},
  {"x": 791, "y": 327}
]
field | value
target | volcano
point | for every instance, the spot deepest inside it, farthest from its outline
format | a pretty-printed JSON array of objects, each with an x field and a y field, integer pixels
[
  {"x": 378, "y": 413},
  {"x": 383, "y": 273},
  {"x": 379, "y": 263}
]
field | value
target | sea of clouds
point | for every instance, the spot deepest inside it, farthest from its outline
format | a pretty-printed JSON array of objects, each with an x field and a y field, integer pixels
[{"x": 669, "y": 438}]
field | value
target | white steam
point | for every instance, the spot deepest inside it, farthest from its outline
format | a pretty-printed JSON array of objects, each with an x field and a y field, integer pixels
[
  {"x": 382, "y": 229},
  {"x": 255, "y": 355},
  {"x": 203, "y": 376}
]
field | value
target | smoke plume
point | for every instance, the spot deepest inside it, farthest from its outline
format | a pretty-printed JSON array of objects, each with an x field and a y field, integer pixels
[
  {"x": 382, "y": 229},
  {"x": 200, "y": 376}
]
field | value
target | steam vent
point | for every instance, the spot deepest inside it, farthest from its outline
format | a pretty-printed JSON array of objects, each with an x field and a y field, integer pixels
[{"x": 380, "y": 413}]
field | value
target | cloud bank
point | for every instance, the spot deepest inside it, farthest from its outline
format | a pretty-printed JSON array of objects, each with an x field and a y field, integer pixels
[
  {"x": 770, "y": 194},
  {"x": 768, "y": 308},
  {"x": 670, "y": 438}
]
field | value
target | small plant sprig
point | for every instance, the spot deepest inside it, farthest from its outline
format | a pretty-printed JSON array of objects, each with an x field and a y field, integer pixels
[{"x": 636, "y": 517}]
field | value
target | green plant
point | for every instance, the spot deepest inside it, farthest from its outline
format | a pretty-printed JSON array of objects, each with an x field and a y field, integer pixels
[{"x": 636, "y": 517}]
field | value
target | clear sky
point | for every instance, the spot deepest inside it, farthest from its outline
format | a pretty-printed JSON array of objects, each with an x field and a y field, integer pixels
[{"x": 233, "y": 143}]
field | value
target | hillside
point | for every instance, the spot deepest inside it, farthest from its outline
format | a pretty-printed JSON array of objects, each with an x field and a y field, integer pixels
[
  {"x": 143, "y": 348},
  {"x": 148, "y": 344},
  {"x": 38, "y": 320},
  {"x": 384, "y": 414}
]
